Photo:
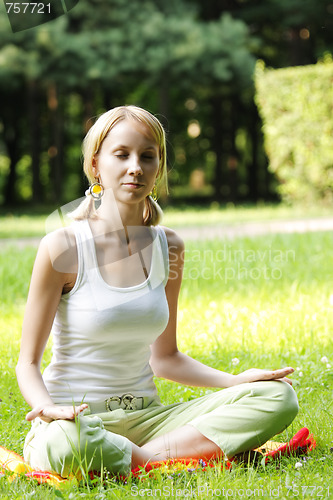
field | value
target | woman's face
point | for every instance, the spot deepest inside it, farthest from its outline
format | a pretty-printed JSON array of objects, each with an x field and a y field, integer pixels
[{"x": 128, "y": 161}]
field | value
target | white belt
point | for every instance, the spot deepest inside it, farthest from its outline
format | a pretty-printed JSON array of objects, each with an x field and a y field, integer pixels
[{"x": 126, "y": 402}]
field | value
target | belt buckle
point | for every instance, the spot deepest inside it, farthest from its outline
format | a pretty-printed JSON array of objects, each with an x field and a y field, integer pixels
[
  {"x": 128, "y": 400},
  {"x": 113, "y": 399}
]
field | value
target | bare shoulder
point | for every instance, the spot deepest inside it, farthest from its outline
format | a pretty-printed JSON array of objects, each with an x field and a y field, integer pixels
[
  {"x": 62, "y": 237},
  {"x": 175, "y": 242},
  {"x": 61, "y": 247}
]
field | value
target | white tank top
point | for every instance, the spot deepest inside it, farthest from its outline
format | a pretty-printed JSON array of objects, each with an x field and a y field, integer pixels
[{"x": 102, "y": 333}]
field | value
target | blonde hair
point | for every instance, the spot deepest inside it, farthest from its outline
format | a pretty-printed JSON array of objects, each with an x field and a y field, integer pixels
[{"x": 91, "y": 146}]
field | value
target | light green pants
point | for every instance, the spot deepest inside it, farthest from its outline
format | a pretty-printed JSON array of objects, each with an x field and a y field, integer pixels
[{"x": 237, "y": 419}]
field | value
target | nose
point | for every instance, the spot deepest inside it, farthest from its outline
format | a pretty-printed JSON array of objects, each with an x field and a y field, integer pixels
[{"x": 134, "y": 166}]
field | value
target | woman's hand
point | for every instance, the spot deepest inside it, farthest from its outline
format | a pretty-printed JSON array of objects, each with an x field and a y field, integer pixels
[
  {"x": 256, "y": 375},
  {"x": 55, "y": 412}
]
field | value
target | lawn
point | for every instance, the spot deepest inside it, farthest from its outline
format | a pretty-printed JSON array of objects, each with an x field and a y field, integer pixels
[
  {"x": 19, "y": 224},
  {"x": 264, "y": 302}
]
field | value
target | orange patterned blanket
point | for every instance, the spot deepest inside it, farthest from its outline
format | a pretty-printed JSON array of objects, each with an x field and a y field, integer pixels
[{"x": 13, "y": 465}]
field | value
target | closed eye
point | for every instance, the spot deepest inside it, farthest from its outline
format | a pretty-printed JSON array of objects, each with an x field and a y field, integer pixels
[{"x": 146, "y": 156}]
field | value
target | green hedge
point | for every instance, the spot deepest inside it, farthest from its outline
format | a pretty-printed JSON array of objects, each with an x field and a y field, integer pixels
[{"x": 296, "y": 105}]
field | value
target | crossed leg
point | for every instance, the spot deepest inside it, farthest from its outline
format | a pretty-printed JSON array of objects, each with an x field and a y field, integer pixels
[
  {"x": 246, "y": 417},
  {"x": 183, "y": 442}
]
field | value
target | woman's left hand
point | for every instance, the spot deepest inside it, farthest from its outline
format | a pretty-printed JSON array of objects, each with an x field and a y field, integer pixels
[
  {"x": 55, "y": 412},
  {"x": 256, "y": 375}
]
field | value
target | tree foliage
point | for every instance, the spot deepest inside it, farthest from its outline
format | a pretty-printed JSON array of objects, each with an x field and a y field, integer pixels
[
  {"x": 297, "y": 109},
  {"x": 187, "y": 61}
]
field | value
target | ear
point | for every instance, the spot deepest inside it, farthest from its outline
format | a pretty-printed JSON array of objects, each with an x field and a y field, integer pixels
[{"x": 94, "y": 166}]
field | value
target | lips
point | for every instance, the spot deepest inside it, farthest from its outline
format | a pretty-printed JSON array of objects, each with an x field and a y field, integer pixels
[{"x": 133, "y": 184}]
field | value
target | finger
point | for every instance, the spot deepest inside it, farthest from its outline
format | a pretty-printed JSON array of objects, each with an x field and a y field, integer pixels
[
  {"x": 289, "y": 369},
  {"x": 74, "y": 411},
  {"x": 48, "y": 414},
  {"x": 69, "y": 413},
  {"x": 79, "y": 409},
  {"x": 285, "y": 379},
  {"x": 32, "y": 414},
  {"x": 282, "y": 372},
  {"x": 37, "y": 412}
]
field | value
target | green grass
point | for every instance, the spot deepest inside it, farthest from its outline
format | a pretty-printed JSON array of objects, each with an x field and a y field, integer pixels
[
  {"x": 17, "y": 224},
  {"x": 231, "y": 214},
  {"x": 265, "y": 301}
]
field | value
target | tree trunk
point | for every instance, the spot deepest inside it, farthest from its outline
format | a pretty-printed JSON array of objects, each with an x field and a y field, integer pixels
[
  {"x": 88, "y": 109},
  {"x": 88, "y": 120},
  {"x": 55, "y": 150},
  {"x": 233, "y": 157},
  {"x": 296, "y": 55},
  {"x": 11, "y": 141},
  {"x": 216, "y": 103},
  {"x": 107, "y": 98},
  {"x": 252, "y": 170},
  {"x": 164, "y": 102},
  {"x": 35, "y": 138}
]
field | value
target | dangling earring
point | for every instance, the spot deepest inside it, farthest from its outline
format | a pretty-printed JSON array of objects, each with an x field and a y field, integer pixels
[
  {"x": 153, "y": 193},
  {"x": 96, "y": 190}
]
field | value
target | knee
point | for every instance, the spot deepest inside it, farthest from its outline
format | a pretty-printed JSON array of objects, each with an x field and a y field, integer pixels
[
  {"x": 289, "y": 398},
  {"x": 61, "y": 446},
  {"x": 69, "y": 443},
  {"x": 287, "y": 401}
]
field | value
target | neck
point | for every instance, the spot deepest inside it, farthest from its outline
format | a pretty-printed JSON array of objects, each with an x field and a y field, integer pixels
[{"x": 117, "y": 215}]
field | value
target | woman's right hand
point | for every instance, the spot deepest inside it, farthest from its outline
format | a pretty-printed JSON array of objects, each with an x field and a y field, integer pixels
[
  {"x": 257, "y": 374},
  {"x": 55, "y": 412}
]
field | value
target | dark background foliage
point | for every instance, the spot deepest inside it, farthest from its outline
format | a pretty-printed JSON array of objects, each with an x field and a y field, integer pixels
[{"x": 188, "y": 61}]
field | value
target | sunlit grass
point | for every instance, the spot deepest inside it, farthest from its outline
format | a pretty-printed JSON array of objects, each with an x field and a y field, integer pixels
[
  {"x": 21, "y": 225},
  {"x": 235, "y": 214},
  {"x": 264, "y": 302}
]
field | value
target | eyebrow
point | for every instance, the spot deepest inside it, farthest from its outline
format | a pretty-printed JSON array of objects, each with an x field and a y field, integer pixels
[{"x": 122, "y": 146}]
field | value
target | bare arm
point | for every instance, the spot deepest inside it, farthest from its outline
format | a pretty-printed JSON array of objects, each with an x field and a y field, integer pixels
[
  {"x": 44, "y": 295},
  {"x": 168, "y": 362}
]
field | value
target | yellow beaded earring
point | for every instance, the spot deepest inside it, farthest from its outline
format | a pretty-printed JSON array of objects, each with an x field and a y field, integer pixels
[
  {"x": 153, "y": 193},
  {"x": 96, "y": 190}
]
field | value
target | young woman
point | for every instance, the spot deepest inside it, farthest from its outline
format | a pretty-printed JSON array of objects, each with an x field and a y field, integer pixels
[{"x": 104, "y": 287}]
